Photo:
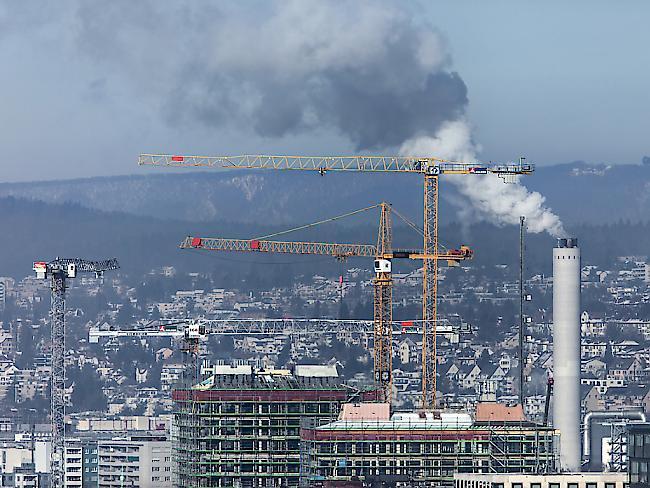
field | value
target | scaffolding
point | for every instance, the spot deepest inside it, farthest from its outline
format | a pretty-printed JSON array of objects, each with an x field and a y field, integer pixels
[
  {"x": 244, "y": 430},
  {"x": 421, "y": 453},
  {"x": 617, "y": 445}
]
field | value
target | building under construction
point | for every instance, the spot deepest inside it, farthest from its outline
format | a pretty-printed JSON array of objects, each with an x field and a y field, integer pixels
[
  {"x": 370, "y": 447},
  {"x": 241, "y": 427}
]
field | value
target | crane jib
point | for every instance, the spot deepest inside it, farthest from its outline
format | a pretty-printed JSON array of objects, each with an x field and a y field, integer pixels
[{"x": 322, "y": 164}]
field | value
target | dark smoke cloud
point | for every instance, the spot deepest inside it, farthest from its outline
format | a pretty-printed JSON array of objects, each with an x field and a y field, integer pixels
[{"x": 367, "y": 70}]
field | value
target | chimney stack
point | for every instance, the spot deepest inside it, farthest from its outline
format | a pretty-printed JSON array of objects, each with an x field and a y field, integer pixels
[{"x": 566, "y": 351}]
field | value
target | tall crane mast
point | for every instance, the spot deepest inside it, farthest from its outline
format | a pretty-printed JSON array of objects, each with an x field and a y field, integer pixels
[
  {"x": 382, "y": 282},
  {"x": 58, "y": 272},
  {"x": 383, "y": 308},
  {"x": 429, "y": 167}
]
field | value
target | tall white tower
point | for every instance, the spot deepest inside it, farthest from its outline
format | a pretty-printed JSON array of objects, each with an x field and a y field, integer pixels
[{"x": 566, "y": 351}]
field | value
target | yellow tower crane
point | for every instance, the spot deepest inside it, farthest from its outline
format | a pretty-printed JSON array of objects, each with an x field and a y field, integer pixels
[
  {"x": 429, "y": 167},
  {"x": 383, "y": 255}
]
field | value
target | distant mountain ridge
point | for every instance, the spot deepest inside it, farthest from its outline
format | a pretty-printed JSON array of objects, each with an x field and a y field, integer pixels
[
  {"x": 35, "y": 230},
  {"x": 578, "y": 192}
]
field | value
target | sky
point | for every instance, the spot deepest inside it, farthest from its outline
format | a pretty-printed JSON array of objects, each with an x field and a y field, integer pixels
[{"x": 85, "y": 86}]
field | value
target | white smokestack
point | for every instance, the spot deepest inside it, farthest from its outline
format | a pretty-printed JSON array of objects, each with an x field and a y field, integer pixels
[
  {"x": 566, "y": 351},
  {"x": 488, "y": 197}
]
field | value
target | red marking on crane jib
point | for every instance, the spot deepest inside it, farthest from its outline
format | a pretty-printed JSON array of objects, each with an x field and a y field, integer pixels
[
  {"x": 196, "y": 242},
  {"x": 178, "y": 158},
  {"x": 255, "y": 244},
  {"x": 407, "y": 323}
]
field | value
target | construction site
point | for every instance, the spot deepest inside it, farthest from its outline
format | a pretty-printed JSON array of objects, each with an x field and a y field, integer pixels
[
  {"x": 422, "y": 448},
  {"x": 242, "y": 426},
  {"x": 250, "y": 428}
]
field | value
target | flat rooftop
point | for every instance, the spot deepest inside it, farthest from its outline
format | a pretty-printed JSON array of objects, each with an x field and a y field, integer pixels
[{"x": 304, "y": 377}]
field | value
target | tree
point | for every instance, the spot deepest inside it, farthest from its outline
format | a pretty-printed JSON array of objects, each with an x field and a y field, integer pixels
[
  {"x": 26, "y": 347},
  {"x": 155, "y": 314},
  {"x": 221, "y": 346},
  {"x": 317, "y": 311},
  {"x": 129, "y": 355},
  {"x": 344, "y": 311},
  {"x": 285, "y": 354},
  {"x": 87, "y": 394},
  {"x": 153, "y": 375},
  {"x": 297, "y": 305},
  {"x": 125, "y": 314},
  {"x": 362, "y": 311}
]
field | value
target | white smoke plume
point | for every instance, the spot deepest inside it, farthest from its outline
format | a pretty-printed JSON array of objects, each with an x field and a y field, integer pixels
[
  {"x": 372, "y": 71},
  {"x": 489, "y": 197}
]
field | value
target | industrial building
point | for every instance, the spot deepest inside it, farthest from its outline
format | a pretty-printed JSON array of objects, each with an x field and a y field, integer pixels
[
  {"x": 241, "y": 427},
  {"x": 638, "y": 449},
  {"x": 427, "y": 448}
]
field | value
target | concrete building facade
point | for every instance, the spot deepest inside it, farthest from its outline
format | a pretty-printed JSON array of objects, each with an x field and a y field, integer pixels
[{"x": 142, "y": 460}]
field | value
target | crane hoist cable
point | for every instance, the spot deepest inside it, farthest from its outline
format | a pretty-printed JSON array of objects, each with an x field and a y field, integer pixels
[
  {"x": 314, "y": 224},
  {"x": 415, "y": 227}
]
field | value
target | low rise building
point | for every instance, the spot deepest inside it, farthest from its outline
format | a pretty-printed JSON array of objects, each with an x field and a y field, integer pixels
[
  {"x": 567, "y": 480},
  {"x": 368, "y": 445},
  {"x": 142, "y": 460},
  {"x": 80, "y": 463}
]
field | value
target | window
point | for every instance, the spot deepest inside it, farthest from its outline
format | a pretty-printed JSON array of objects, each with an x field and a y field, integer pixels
[
  {"x": 535, "y": 485},
  {"x": 517, "y": 485},
  {"x": 554, "y": 485},
  {"x": 592, "y": 485},
  {"x": 610, "y": 485},
  {"x": 572, "y": 485}
]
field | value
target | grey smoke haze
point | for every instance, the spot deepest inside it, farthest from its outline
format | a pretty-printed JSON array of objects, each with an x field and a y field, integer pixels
[{"x": 367, "y": 69}]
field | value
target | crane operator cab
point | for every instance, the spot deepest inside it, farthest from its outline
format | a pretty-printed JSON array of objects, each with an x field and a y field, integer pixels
[
  {"x": 195, "y": 330},
  {"x": 382, "y": 266}
]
